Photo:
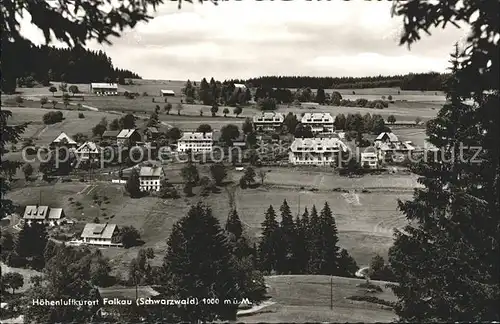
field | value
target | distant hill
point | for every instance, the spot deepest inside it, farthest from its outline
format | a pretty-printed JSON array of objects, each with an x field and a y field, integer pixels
[
  {"x": 431, "y": 81},
  {"x": 40, "y": 64}
]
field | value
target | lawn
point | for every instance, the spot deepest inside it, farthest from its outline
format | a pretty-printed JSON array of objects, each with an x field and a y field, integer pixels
[
  {"x": 26, "y": 273},
  {"x": 306, "y": 299}
]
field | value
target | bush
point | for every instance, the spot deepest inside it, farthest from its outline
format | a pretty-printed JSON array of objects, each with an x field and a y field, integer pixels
[
  {"x": 369, "y": 285},
  {"x": 372, "y": 299},
  {"x": 81, "y": 115},
  {"x": 52, "y": 117}
]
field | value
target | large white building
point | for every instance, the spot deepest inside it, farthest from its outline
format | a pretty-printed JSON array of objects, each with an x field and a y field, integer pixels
[
  {"x": 150, "y": 178},
  {"x": 268, "y": 121},
  {"x": 104, "y": 89},
  {"x": 195, "y": 142},
  {"x": 320, "y": 123},
  {"x": 316, "y": 151},
  {"x": 44, "y": 215}
]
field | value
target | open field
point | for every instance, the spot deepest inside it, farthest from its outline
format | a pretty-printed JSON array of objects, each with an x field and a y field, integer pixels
[
  {"x": 44, "y": 134},
  {"x": 365, "y": 220},
  {"x": 306, "y": 299},
  {"x": 26, "y": 273}
]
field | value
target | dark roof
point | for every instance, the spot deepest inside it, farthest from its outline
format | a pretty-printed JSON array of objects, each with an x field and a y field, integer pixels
[{"x": 111, "y": 133}]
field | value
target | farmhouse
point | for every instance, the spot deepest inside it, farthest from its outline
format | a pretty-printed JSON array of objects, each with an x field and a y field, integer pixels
[
  {"x": 195, "y": 142},
  {"x": 88, "y": 151},
  {"x": 43, "y": 214},
  {"x": 386, "y": 138},
  {"x": 320, "y": 123},
  {"x": 110, "y": 135},
  {"x": 167, "y": 93},
  {"x": 104, "y": 89},
  {"x": 63, "y": 140},
  {"x": 268, "y": 121},
  {"x": 128, "y": 137},
  {"x": 316, "y": 151},
  {"x": 150, "y": 178},
  {"x": 100, "y": 234}
]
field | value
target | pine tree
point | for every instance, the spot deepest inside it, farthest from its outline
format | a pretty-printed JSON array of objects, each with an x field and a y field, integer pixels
[
  {"x": 199, "y": 264},
  {"x": 133, "y": 185},
  {"x": 268, "y": 242},
  {"x": 233, "y": 224},
  {"x": 287, "y": 235},
  {"x": 329, "y": 239},
  {"x": 347, "y": 266},
  {"x": 447, "y": 262}
]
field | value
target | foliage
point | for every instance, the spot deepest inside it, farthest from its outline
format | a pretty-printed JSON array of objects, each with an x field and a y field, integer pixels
[
  {"x": 100, "y": 128},
  {"x": 190, "y": 174},
  {"x": 27, "y": 170},
  {"x": 12, "y": 280},
  {"x": 52, "y": 117},
  {"x": 218, "y": 172},
  {"x": 391, "y": 119},
  {"x": 129, "y": 236},
  {"x": 133, "y": 185},
  {"x": 247, "y": 126},
  {"x": 204, "y": 128},
  {"x": 228, "y": 133}
]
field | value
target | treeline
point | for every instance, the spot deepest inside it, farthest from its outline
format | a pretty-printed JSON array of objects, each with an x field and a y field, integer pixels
[
  {"x": 45, "y": 63},
  {"x": 413, "y": 81}
]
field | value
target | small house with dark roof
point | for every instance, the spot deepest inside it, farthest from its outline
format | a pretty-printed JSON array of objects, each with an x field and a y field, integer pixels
[
  {"x": 128, "y": 137},
  {"x": 110, "y": 135}
]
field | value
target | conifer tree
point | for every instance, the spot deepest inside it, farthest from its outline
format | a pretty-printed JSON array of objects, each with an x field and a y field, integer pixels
[
  {"x": 199, "y": 264},
  {"x": 315, "y": 243},
  {"x": 133, "y": 185},
  {"x": 269, "y": 243},
  {"x": 287, "y": 235},
  {"x": 329, "y": 239},
  {"x": 299, "y": 260},
  {"x": 233, "y": 224},
  {"x": 447, "y": 262},
  {"x": 347, "y": 266},
  {"x": 240, "y": 246}
]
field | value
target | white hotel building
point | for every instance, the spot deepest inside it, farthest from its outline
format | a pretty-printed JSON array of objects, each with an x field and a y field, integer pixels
[
  {"x": 320, "y": 123},
  {"x": 195, "y": 142},
  {"x": 316, "y": 151},
  {"x": 268, "y": 121}
]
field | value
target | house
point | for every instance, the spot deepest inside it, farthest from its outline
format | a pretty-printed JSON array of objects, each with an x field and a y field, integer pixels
[
  {"x": 44, "y": 215},
  {"x": 88, "y": 151},
  {"x": 128, "y": 137},
  {"x": 240, "y": 86},
  {"x": 195, "y": 142},
  {"x": 152, "y": 133},
  {"x": 394, "y": 151},
  {"x": 386, "y": 138},
  {"x": 268, "y": 121},
  {"x": 100, "y": 234},
  {"x": 167, "y": 93},
  {"x": 63, "y": 140},
  {"x": 150, "y": 178},
  {"x": 104, "y": 89},
  {"x": 316, "y": 151},
  {"x": 320, "y": 123},
  {"x": 369, "y": 160},
  {"x": 110, "y": 135}
]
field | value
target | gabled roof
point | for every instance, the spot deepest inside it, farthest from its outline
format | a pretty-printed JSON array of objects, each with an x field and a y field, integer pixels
[
  {"x": 111, "y": 133},
  {"x": 126, "y": 133},
  {"x": 104, "y": 85},
  {"x": 63, "y": 136},
  {"x": 152, "y": 129},
  {"x": 102, "y": 231},
  {"x": 35, "y": 212},
  {"x": 276, "y": 116},
  {"x": 55, "y": 213},
  {"x": 147, "y": 171},
  {"x": 392, "y": 137},
  {"x": 190, "y": 136},
  {"x": 92, "y": 147},
  {"x": 167, "y": 91}
]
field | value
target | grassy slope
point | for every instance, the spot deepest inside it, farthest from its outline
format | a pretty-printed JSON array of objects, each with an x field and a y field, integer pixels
[{"x": 307, "y": 299}]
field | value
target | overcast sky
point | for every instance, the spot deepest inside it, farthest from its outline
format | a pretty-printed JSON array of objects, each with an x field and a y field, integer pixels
[{"x": 254, "y": 38}]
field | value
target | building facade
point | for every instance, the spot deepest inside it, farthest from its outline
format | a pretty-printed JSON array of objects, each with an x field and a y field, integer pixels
[
  {"x": 369, "y": 160},
  {"x": 104, "y": 89},
  {"x": 317, "y": 151},
  {"x": 63, "y": 140},
  {"x": 128, "y": 137},
  {"x": 150, "y": 178},
  {"x": 320, "y": 123},
  {"x": 195, "y": 142},
  {"x": 167, "y": 93},
  {"x": 100, "y": 234},
  {"x": 43, "y": 215},
  {"x": 268, "y": 121},
  {"x": 88, "y": 151}
]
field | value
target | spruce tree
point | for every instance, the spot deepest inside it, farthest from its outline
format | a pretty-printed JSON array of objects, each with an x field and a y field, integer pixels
[
  {"x": 287, "y": 235},
  {"x": 233, "y": 224},
  {"x": 347, "y": 266},
  {"x": 329, "y": 239},
  {"x": 315, "y": 243},
  {"x": 447, "y": 262},
  {"x": 133, "y": 185},
  {"x": 304, "y": 245},
  {"x": 240, "y": 246},
  {"x": 269, "y": 242},
  {"x": 199, "y": 264}
]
